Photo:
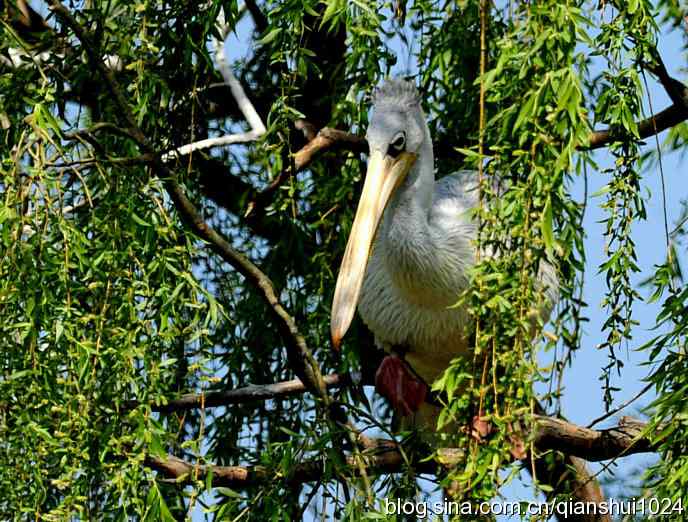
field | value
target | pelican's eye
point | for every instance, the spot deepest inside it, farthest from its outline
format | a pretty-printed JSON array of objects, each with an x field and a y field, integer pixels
[{"x": 397, "y": 145}]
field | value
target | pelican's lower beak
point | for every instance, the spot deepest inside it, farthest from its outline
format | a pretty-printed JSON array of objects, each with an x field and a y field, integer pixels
[{"x": 384, "y": 175}]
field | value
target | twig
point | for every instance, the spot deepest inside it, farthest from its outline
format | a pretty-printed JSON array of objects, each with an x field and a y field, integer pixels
[
  {"x": 669, "y": 117},
  {"x": 95, "y": 128},
  {"x": 621, "y": 406},
  {"x": 122, "y": 161}
]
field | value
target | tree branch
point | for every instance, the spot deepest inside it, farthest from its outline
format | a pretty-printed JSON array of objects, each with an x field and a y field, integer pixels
[
  {"x": 386, "y": 460},
  {"x": 655, "y": 124},
  {"x": 386, "y": 456},
  {"x": 246, "y": 394},
  {"x": 208, "y": 143},
  {"x": 300, "y": 358},
  {"x": 669, "y": 117},
  {"x": 259, "y": 18},
  {"x": 329, "y": 138},
  {"x": 592, "y": 445},
  {"x": 326, "y": 139},
  {"x": 95, "y": 128},
  {"x": 673, "y": 87}
]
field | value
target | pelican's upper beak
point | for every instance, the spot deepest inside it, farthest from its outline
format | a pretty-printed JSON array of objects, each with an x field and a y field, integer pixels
[{"x": 384, "y": 175}]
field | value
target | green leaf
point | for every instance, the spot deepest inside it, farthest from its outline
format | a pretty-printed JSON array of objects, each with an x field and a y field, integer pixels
[
  {"x": 546, "y": 225},
  {"x": 270, "y": 36}
]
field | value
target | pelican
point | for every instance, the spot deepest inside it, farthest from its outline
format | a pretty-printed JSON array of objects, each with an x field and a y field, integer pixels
[{"x": 407, "y": 259}]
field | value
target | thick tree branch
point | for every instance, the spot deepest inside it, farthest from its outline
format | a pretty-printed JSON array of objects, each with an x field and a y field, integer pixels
[
  {"x": 592, "y": 445},
  {"x": 259, "y": 18},
  {"x": 25, "y": 20},
  {"x": 387, "y": 457},
  {"x": 673, "y": 87}
]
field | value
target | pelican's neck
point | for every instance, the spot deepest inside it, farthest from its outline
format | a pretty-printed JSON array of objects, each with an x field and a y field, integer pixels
[
  {"x": 414, "y": 197},
  {"x": 406, "y": 236}
]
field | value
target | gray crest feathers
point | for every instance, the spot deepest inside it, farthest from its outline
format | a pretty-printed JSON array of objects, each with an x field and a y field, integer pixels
[{"x": 398, "y": 92}]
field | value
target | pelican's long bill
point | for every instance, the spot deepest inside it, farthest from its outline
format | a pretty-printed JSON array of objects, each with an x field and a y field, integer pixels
[{"x": 384, "y": 175}]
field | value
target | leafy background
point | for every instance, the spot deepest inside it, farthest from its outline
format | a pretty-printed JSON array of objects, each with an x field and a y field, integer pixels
[{"x": 106, "y": 297}]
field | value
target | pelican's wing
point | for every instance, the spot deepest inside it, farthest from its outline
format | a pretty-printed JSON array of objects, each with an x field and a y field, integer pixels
[{"x": 454, "y": 196}]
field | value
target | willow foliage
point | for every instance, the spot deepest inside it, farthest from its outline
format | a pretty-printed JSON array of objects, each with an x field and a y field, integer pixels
[{"x": 111, "y": 306}]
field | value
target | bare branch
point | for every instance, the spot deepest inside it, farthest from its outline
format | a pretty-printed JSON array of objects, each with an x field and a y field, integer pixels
[
  {"x": 220, "y": 141},
  {"x": 95, "y": 128},
  {"x": 592, "y": 445},
  {"x": 246, "y": 394},
  {"x": 622, "y": 406},
  {"x": 259, "y": 18},
  {"x": 245, "y": 106},
  {"x": 669, "y": 117},
  {"x": 328, "y": 139},
  {"x": 388, "y": 459},
  {"x": 673, "y": 87},
  {"x": 300, "y": 357}
]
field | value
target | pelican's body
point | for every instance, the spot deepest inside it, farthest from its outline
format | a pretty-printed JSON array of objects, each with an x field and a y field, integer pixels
[
  {"x": 408, "y": 257},
  {"x": 417, "y": 269}
]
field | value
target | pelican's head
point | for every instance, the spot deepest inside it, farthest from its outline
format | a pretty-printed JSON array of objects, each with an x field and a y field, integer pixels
[{"x": 396, "y": 134}]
